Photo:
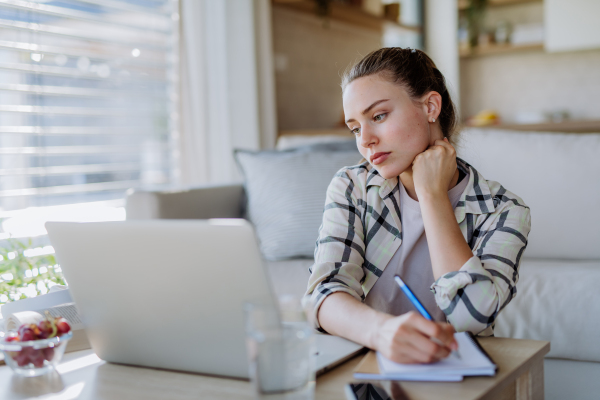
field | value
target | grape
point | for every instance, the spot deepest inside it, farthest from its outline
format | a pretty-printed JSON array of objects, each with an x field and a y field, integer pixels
[
  {"x": 22, "y": 359},
  {"x": 27, "y": 351},
  {"x": 48, "y": 353},
  {"x": 27, "y": 334},
  {"x": 47, "y": 329},
  {"x": 37, "y": 358},
  {"x": 63, "y": 326}
]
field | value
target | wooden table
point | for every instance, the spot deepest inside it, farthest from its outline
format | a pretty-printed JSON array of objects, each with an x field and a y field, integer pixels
[{"x": 84, "y": 376}]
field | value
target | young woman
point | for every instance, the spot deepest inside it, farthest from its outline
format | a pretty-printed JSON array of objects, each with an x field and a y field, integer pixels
[{"x": 413, "y": 209}]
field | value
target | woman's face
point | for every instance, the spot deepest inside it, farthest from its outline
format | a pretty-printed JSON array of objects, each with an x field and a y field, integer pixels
[{"x": 390, "y": 128}]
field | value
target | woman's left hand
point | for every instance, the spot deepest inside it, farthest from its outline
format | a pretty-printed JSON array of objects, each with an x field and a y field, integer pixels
[{"x": 434, "y": 169}]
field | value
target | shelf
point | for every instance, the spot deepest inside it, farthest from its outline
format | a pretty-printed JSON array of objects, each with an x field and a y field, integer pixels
[
  {"x": 575, "y": 126},
  {"x": 344, "y": 13},
  {"x": 500, "y": 49},
  {"x": 463, "y": 4}
]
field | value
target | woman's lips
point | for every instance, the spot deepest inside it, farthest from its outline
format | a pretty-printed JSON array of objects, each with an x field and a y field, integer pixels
[{"x": 378, "y": 158}]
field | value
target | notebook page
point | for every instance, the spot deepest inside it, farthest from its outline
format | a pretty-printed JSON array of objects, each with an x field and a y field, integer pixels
[
  {"x": 411, "y": 377},
  {"x": 471, "y": 361}
]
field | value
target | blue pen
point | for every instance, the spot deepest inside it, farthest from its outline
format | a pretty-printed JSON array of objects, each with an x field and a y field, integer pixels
[{"x": 413, "y": 299}]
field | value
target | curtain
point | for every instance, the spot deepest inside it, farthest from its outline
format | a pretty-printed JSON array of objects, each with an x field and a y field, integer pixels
[{"x": 227, "y": 86}]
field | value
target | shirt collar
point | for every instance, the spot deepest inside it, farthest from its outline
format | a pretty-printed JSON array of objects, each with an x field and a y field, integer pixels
[{"x": 374, "y": 179}]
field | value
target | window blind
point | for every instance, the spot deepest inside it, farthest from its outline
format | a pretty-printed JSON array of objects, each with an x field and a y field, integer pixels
[{"x": 88, "y": 99}]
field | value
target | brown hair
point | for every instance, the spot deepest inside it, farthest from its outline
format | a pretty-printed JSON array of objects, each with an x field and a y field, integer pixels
[{"x": 414, "y": 71}]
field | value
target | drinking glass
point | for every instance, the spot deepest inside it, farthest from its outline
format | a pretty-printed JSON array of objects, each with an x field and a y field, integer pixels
[{"x": 281, "y": 352}]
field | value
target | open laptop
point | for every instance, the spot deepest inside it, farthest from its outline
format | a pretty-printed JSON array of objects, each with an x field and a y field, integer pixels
[{"x": 170, "y": 293}]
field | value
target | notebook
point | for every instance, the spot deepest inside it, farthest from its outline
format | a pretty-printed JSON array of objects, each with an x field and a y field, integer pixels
[{"x": 472, "y": 360}]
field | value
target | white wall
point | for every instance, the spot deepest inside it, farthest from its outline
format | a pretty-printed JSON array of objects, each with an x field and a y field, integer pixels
[
  {"x": 441, "y": 44},
  {"x": 532, "y": 83},
  {"x": 572, "y": 25}
]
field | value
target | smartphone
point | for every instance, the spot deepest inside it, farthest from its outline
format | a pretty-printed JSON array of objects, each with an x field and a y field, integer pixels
[
  {"x": 374, "y": 391},
  {"x": 366, "y": 391}
]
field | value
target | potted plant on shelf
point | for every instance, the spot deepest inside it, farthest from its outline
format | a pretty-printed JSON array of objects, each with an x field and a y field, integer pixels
[{"x": 475, "y": 13}]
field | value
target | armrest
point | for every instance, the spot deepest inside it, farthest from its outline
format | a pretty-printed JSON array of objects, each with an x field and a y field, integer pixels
[{"x": 222, "y": 201}]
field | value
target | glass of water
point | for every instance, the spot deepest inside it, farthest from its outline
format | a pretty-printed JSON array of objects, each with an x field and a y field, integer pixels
[{"x": 281, "y": 352}]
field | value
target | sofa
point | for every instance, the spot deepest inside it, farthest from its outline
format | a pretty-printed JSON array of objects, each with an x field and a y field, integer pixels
[{"x": 556, "y": 174}]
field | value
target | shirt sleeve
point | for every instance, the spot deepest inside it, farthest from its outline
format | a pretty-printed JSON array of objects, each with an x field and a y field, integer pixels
[
  {"x": 339, "y": 252},
  {"x": 473, "y": 296}
]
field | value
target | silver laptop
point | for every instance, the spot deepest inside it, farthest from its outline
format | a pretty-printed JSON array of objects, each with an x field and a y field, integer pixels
[{"x": 170, "y": 293}]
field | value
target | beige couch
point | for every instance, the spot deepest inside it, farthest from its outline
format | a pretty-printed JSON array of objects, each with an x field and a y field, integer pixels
[{"x": 557, "y": 299}]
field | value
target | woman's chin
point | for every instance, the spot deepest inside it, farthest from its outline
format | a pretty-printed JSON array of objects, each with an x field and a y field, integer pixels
[{"x": 387, "y": 172}]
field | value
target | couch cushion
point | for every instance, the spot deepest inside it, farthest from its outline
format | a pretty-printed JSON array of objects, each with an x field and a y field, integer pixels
[
  {"x": 292, "y": 141},
  {"x": 557, "y": 301},
  {"x": 555, "y": 174},
  {"x": 286, "y": 195}
]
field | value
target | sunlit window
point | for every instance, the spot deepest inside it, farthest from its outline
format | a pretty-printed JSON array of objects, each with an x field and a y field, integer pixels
[{"x": 88, "y": 109}]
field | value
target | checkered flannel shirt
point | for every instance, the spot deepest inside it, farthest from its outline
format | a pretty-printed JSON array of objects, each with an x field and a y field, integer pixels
[{"x": 362, "y": 230}]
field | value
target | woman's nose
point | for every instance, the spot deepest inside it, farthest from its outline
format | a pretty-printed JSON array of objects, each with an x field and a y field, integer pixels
[{"x": 367, "y": 137}]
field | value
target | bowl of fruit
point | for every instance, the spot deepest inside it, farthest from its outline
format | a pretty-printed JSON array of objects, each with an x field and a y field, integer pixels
[{"x": 36, "y": 349}]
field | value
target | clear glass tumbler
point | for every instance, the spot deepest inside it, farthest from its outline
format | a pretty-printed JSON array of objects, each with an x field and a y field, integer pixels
[{"x": 281, "y": 352}]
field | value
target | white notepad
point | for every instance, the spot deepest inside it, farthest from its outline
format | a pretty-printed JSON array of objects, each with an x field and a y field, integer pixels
[{"x": 473, "y": 361}]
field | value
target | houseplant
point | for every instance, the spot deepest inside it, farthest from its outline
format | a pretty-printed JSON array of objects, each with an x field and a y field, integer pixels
[
  {"x": 25, "y": 271},
  {"x": 475, "y": 13}
]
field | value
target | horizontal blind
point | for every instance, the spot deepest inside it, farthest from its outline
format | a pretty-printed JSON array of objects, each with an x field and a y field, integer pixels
[{"x": 88, "y": 99}]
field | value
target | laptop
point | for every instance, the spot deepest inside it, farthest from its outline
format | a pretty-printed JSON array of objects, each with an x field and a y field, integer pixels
[{"x": 170, "y": 293}]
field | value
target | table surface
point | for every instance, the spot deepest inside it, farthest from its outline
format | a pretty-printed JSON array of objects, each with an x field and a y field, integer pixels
[{"x": 82, "y": 375}]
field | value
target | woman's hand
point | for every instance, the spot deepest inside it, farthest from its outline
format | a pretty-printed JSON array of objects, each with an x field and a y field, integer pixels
[
  {"x": 434, "y": 169},
  {"x": 408, "y": 339}
]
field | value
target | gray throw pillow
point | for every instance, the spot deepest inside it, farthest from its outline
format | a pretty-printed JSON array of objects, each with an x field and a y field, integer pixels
[{"x": 285, "y": 193}]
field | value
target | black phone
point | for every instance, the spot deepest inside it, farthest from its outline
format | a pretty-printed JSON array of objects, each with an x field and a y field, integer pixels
[{"x": 374, "y": 391}]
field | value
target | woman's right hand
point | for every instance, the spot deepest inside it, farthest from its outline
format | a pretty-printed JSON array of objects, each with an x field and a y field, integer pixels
[{"x": 408, "y": 338}]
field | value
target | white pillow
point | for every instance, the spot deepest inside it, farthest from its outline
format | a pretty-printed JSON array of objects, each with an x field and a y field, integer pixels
[
  {"x": 558, "y": 177},
  {"x": 286, "y": 195},
  {"x": 291, "y": 141}
]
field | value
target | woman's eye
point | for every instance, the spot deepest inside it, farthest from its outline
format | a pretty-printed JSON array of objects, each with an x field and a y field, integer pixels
[
  {"x": 355, "y": 131},
  {"x": 379, "y": 117}
]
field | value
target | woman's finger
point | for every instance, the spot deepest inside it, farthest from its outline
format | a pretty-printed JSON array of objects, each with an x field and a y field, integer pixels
[
  {"x": 406, "y": 351},
  {"x": 444, "y": 143},
  {"x": 429, "y": 350},
  {"x": 442, "y": 332}
]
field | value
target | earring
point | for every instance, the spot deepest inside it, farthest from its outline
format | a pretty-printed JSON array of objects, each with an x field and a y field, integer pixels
[{"x": 433, "y": 120}]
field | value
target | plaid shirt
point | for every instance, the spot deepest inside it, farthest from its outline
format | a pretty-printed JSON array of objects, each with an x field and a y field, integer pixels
[{"x": 362, "y": 230}]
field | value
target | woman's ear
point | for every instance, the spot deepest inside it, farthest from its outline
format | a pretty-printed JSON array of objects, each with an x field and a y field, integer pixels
[{"x": 432, "y": 103}]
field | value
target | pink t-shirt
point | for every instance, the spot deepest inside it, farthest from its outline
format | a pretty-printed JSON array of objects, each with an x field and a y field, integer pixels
[{"x": 411, "y": 262}]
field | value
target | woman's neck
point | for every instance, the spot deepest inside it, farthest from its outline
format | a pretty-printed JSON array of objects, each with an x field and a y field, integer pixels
[{"x": 409, "y": 184}]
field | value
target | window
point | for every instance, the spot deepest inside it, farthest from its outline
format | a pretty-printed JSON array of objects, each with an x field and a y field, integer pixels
[
  {"x": 88, "y": 100},
  {"x": 88, "y": 109}
]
